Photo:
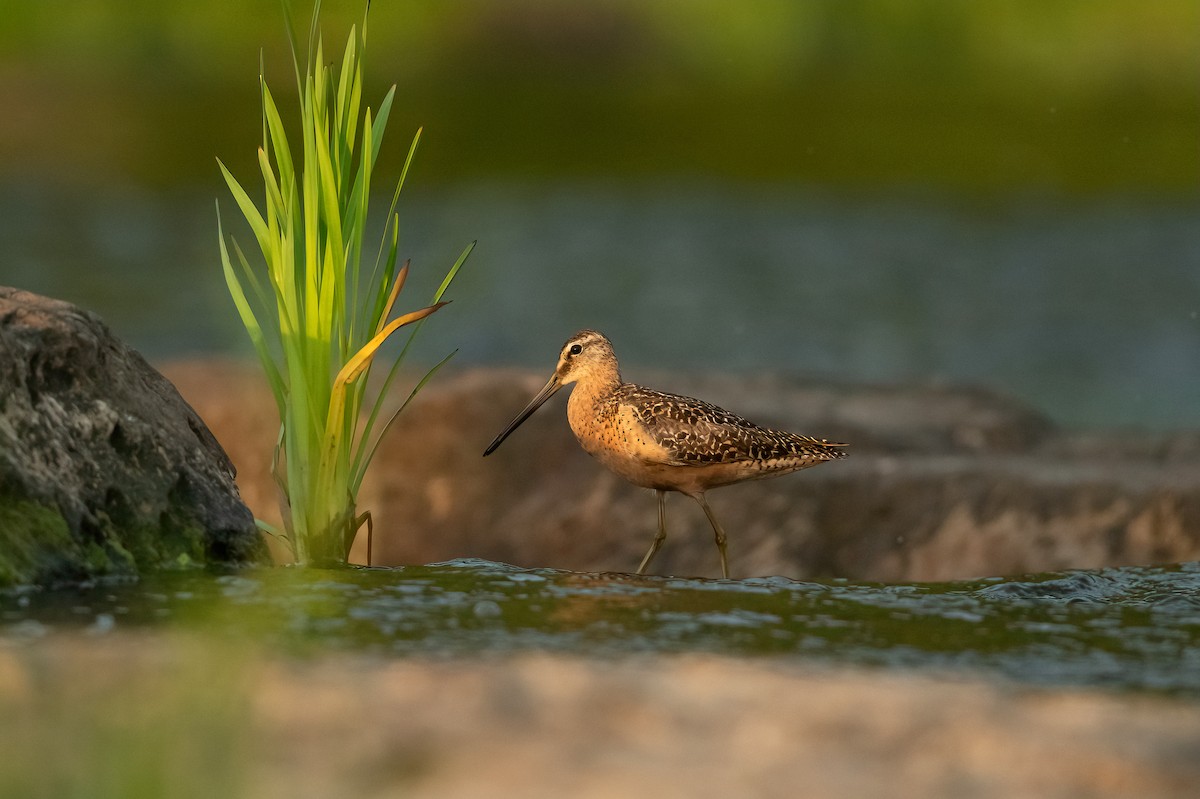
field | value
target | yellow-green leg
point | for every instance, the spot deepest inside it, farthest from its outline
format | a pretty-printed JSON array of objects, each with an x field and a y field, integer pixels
[
  {"x": 720, "y": 534},
  {"x": 662, "y": 531}
]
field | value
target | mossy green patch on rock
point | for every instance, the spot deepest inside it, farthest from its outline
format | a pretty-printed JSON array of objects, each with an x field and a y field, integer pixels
[
  {"x": 174, "y": 542},
  {"x": 36, "y": 545},
  {"x": 34, "y": 539}
]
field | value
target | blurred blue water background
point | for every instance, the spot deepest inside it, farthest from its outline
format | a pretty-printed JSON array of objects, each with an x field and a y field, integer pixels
[{"x": 1006, "y": 194}]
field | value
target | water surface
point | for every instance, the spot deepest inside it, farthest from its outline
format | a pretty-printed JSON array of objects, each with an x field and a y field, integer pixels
[{"x": 1135, "y": 628}]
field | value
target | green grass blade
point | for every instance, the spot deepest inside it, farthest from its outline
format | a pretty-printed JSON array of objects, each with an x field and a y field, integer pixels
[
  {"x": 349, "y": 94},
  {"x": 249, "y": 319},
  {"x": 391, "y": 214},
  {"x": 249, "y": 210},
  {"x": 380, "y": 125},
  {"x": 462, "y": 259},
  {"x": 279, "y": 142},
  {"x": 276, "y": 207},
  {"x": 290, "y": 26},
  {"x": 314, "y": 34},
  {"x": 260, "y": 294},
  {"x": 367, "y": 454}
]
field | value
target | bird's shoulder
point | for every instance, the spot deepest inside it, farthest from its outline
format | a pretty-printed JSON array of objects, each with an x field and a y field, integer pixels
[
  {"x": 667, "y": 412},
  {"x": 691, "y": 431}
]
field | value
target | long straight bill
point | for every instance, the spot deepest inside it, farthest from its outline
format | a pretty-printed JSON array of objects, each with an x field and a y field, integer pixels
[{"x": 546, "y": 393}]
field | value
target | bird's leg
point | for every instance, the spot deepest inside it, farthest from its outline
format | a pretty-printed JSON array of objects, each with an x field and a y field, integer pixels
[
  {"x": 720, "y": 534},
  {"x": 662, "y": 531}
]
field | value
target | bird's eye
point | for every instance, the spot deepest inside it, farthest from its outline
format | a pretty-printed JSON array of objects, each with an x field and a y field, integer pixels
[{"x": 576, "y": 349}]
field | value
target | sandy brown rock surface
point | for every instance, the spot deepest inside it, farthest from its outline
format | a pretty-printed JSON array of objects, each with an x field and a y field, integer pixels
[
  {"x": 536, "y": 726},
  {"x": 941, "y": 483}
]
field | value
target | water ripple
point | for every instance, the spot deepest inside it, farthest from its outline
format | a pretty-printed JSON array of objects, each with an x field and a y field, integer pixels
[{"x": 1134, "y": 628}]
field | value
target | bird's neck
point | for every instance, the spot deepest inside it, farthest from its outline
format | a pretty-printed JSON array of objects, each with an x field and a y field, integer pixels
[
  {"x": 589, "y": 395},
  {"x": 598, "y": 384}
]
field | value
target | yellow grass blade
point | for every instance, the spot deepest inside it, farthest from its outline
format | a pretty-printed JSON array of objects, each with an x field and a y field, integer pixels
[
  {"x": 333, "y": 444},
  {"x": 362, "y": 359},
  {"x": 397, "y": 287}
]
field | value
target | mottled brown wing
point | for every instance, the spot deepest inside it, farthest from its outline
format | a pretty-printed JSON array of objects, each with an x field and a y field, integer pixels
[{"x": 698, "y": 433}]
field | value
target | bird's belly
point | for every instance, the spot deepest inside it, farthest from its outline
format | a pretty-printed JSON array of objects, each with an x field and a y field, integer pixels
[
  {"x": 686, "y": 478},
  {"x": 649, "y": 470},
  {"x": 636, "y": 470}
]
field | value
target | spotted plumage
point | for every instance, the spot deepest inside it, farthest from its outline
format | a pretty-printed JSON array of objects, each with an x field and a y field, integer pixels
[
  {"x": 665, "y": 441},
  {"x": 698, "y": 433}
]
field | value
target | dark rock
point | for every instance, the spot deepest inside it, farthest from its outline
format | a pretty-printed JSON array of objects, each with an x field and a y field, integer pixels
[
  {"x": 941, "y": 483},
  {"x": 103, "y": 467}
]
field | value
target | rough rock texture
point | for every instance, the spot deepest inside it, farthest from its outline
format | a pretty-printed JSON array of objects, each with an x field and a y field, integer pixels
[
  {"x": 534, "y": 726},
  {"x": 103, "y": 467},
  {"x": 940, "y": 483}
]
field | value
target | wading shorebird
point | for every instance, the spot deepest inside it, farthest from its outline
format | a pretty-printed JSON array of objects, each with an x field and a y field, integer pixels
[{"x": 665, "y": 441}]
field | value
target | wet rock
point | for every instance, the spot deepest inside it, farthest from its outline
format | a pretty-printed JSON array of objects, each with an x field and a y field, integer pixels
[
  {"x": 941, "y": 483},
  {"x": 103, "y": 467}
]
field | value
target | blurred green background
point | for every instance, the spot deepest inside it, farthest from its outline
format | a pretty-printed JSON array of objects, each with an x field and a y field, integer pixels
[
  {"x": 1074, "y": 95},
  {"x": 996, "y": 192}
]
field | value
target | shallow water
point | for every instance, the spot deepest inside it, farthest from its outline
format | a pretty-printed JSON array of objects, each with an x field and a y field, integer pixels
[{"x": 1127, "y": 628}]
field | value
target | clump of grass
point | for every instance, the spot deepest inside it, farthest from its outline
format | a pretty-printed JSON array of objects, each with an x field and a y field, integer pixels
[{"x": 319, "y": 318}]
